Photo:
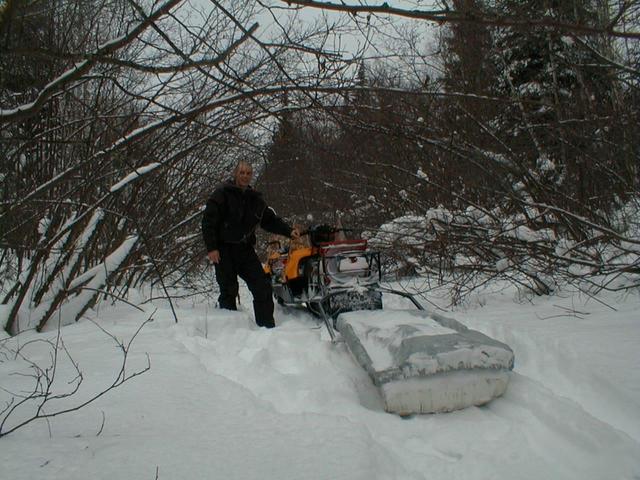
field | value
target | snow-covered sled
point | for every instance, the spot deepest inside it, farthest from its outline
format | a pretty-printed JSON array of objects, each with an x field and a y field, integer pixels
[{"x": 426, "y": 363}]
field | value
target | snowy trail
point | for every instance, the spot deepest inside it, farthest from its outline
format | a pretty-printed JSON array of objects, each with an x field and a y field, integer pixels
[
  {"x": 224, "y": 399},
  {"x": 590, "y": 357},
  {"x": 322, "y": 378}
]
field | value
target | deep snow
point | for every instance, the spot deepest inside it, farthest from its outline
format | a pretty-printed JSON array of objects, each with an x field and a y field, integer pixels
[{"x": 226, "y": 400}]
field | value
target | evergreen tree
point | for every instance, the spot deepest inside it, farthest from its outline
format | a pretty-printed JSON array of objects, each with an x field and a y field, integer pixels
[{"x": 559, "y": 95}]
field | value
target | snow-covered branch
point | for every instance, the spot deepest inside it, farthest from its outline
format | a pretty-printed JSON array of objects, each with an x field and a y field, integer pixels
[{"x": 81, "y": 68}]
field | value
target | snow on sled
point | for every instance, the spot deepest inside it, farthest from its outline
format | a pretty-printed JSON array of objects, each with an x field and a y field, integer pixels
[{"x": 426, "y": 363}]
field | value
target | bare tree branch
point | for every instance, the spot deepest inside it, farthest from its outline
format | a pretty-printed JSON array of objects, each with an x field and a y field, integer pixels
[
  {"x": 46, "y": 387},
  {"x": 452, "y": 16}
]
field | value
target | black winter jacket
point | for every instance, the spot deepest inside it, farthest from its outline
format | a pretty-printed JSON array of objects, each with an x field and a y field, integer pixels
[{"x": 232, "y": 215}]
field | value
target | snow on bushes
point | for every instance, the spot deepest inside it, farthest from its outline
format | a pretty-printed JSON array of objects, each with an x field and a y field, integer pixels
[{"x": 531, "y": 248}]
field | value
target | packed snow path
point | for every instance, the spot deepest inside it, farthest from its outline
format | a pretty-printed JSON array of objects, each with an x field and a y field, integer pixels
[{"x": 224, "y": 399}]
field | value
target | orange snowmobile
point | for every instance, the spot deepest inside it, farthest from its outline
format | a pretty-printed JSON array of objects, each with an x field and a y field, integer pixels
[{"x": 326, "y": 274}]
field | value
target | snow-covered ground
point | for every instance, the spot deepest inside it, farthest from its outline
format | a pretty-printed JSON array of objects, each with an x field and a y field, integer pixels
[{"x": 226, "y": 400}]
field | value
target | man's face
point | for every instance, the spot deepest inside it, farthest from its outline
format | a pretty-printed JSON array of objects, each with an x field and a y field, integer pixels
[{"x": 243, "y": 175}]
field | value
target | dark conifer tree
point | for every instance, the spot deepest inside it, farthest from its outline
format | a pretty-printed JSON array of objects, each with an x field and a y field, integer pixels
[{"x": 560, "y": 94}]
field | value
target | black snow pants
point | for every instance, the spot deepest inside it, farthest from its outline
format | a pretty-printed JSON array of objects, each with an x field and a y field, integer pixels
[{"x": 241, "y": 260}]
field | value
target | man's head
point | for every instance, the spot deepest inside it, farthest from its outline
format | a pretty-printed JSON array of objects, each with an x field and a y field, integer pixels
[{"x": 242, "y": 174}]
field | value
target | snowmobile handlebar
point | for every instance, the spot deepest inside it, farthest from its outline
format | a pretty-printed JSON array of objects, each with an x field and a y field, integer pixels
[
  {"x": 322, "y": 228},
  {"x": 325, "y": 228},
  {"x": 318, "y": 233},
  {"x": 322, "y": 233}
]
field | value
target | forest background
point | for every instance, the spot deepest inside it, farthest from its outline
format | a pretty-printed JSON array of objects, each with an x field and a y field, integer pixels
[{"x": 469, "y": 140}]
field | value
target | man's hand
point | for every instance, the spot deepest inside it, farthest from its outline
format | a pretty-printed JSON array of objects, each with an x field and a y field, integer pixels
[
  {"x": 295, "y": 234},
  {"x": 214, "y": 256}
]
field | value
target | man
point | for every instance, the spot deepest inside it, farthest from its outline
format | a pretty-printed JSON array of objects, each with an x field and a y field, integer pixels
[{"x": 230, "y": 219}]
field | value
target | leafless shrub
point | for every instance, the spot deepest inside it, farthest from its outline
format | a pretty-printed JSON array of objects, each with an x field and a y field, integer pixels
[
  {"x": 524, "y": 142},
  {"x": 47, "y": 393},
  {"x": 133, "y": 117}
]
